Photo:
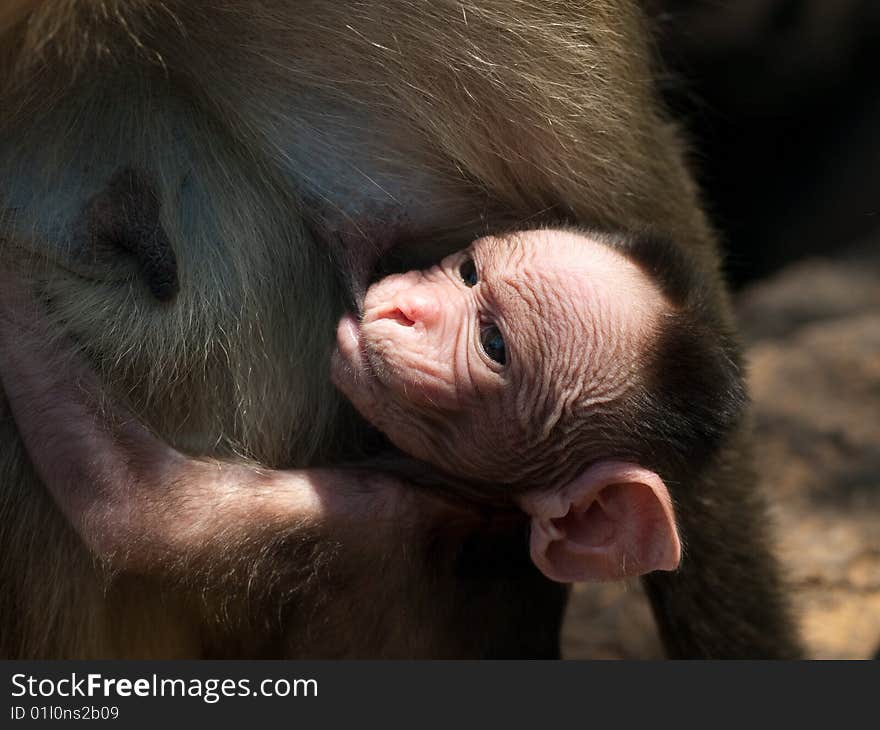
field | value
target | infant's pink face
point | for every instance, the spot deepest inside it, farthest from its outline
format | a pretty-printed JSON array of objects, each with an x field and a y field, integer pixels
[{"x": 471, "y": 364}]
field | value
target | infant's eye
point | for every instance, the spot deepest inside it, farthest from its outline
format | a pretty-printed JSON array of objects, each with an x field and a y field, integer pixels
[
  {"x": 468, "y": 272},
  {"x": 493, "y": 344}
]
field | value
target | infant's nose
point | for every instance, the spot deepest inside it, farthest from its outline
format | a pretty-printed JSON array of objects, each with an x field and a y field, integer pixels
[{"x": 413, "y": 306}]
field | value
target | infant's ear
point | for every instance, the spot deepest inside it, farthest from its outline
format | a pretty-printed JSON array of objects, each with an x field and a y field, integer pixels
[{"x": 613, "y": 521}]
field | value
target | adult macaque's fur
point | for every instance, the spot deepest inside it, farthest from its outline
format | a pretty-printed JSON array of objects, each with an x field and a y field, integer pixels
[{"x": 512, "y": 111}]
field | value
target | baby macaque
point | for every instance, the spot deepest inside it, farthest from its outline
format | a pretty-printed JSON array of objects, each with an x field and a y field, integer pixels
[
  {"x": 525, "y": 367},
  {"x": 512, "y": 365}
]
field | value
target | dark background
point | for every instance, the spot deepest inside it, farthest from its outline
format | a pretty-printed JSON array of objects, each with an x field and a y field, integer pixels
[{"x": 782, "y": 102}]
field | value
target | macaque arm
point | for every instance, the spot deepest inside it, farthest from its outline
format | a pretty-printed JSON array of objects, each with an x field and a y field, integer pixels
[
  {"x": 134, "y": 500},
  {"x": 613, "y": 521}
]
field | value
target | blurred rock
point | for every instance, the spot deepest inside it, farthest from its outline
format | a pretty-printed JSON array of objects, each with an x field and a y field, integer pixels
[
  {"x": 609, "y": 621},
  {"x": 814, "y": 334},
  {"x": 810, "y": 292}
]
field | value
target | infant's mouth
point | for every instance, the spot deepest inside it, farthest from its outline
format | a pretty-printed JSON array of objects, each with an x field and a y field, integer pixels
[{"x": 352, "y": 352}]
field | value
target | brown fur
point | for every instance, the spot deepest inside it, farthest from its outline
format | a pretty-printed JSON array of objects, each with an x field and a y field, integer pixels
[{"x": 517, "y": 110}]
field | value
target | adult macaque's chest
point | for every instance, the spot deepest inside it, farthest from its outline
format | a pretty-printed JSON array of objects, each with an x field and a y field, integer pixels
[
  {"x": 369, "y": 186},
  {"x": 303, "y": 166}
]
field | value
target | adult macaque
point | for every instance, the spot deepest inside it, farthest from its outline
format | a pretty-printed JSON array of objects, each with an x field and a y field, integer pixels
[{"x": 193, "y": 192}]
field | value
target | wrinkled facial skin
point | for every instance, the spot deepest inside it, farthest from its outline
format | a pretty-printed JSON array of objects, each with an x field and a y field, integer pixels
[{"x": 471, "y": 365}]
